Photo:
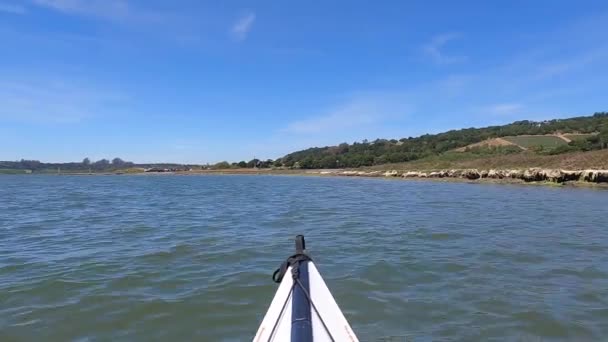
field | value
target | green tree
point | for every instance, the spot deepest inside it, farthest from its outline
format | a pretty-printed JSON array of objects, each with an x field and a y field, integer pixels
[
  {"x": 253, "y": 163},
  {"x": 603, "y": 137},
  {"x": 222, "y": 165},
  {"x": 118, "y": 162}
]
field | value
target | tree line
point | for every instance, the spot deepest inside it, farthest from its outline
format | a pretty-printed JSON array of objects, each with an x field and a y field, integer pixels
[
  {"x": 379, "y": 151},
  {"x": 119, "y": 164},
  {"x": 86, "y": 164},
  {"x": 382, "y": 151},
  {"x": 253, "y": 163}
]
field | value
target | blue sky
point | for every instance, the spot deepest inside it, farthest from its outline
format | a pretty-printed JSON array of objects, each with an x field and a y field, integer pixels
[{"x": 202, "y": 81}]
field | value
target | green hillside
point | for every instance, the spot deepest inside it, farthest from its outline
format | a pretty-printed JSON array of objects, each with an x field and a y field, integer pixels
[{"x": 382, "y": 151}]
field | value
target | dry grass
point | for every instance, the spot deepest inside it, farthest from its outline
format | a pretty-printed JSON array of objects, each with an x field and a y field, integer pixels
[
  {"x": 569, "y": 161},
  {"x": 579, "y": 136},
  {"x": 527, "y": 141},
  {"x": 487, "y": 143}
]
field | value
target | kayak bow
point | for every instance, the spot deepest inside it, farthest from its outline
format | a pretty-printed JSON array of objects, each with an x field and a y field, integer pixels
[{"x": 303, "y": 309}]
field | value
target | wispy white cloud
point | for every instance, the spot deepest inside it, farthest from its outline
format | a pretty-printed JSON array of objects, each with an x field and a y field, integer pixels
[
  {"x": 361, "y": 111},
  {"x": 503, "y": 109},
  {"x": 122, "y": 11},
  {"x": 453, "y": 85},
  {"x": 12, "y": 8},
  {"x": 109, "y": 9},
  {"x": 296, "y": 51},
  {"x": 49, "y": 101},
  {"x": 434, "y": 49},
  {"x": 353, "y": 114},
  {"x": 241, "y": 28},
  {"x": 557, "y": 68}
]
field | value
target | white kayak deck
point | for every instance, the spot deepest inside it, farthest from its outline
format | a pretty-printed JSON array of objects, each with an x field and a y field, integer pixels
[{"x": 325, "y": 303}]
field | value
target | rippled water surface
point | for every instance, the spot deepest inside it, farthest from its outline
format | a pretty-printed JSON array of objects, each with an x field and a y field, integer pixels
[{"x": 190, "y": 258}]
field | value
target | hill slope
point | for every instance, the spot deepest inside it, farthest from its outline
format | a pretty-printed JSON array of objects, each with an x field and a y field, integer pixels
[
  {"x": 597, "y": 160},
  {"x": 383, "y": 151}
]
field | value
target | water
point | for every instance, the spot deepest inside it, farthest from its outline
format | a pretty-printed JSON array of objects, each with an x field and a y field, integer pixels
[{"x": 190, "y": 258}]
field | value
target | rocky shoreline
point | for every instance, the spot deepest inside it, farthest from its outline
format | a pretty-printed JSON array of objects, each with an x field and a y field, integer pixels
[{"x": 528, "y": 176}]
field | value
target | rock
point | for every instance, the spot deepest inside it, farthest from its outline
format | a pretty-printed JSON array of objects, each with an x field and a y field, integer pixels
[
  {"x": 471, "y": 174},
  {"x": 602, "y": 176},
  {"x": 556, "y": 176},
  {"x": 594, "y": 176},
  {"x": 455, "y": 173},
  {"x": 392, "y": 173},
  {"x": 570, "y": 175},
  {"x": 436, "y": 174},
  {"x": 496, "y": 174},
  {"x": 410, "y": 174},
  {"x": 529, "y": 175},
  {"x": 534, "y": 175},
  {"x": 588, "y": 176},
  {"x": 515, "y": 174}
]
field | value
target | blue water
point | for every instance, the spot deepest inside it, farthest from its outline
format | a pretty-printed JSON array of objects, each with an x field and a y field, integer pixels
[{"x": 89, "y": 258}]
